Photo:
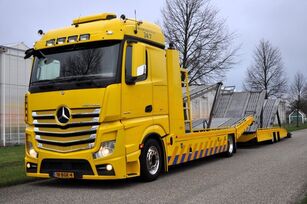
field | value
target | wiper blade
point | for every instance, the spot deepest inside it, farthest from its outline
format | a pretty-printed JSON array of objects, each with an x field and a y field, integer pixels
[{"x": 86, "y": 82}]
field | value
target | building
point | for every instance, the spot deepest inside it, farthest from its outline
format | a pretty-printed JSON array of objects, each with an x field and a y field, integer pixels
[
  {"x": 297, "y": 116},
  {"x": 14, "y": 79}
]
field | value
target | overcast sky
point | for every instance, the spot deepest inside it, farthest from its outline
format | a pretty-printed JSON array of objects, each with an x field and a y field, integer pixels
[{"x": 283, "y": 22}]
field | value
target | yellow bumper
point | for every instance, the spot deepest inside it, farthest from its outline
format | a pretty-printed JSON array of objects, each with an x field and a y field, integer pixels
[{"x": 82, "y": 165}]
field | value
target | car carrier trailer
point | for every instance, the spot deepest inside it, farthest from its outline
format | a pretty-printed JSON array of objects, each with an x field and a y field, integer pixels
[
  {"x": 105, "y": 101},
  {"x": 231, "y": 106}
]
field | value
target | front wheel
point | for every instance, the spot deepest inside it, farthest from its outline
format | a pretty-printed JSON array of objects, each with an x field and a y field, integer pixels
[
  {"x": 151, "y": 160},
  {"x": 230, "y": 146}
]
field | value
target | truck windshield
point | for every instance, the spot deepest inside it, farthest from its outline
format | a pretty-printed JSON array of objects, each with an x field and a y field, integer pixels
[{"x": 97, "y": 63}]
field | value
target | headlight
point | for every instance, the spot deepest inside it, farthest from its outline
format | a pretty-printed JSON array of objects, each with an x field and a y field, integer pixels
[
  {"x": 31, "y": 151},
  {"x": 106, "y": 149}
]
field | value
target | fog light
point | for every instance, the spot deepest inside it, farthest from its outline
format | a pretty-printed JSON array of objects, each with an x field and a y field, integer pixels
[
  {"x": 106, "y": 149},
  {"x": 109, "y": 167},
  {"x": 31, "y": 151}
]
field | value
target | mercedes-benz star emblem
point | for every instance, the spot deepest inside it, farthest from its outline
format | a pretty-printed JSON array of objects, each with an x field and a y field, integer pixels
[{"x": 63, "y": 115}]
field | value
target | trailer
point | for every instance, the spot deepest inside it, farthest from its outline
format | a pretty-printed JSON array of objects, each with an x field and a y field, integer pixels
[{"x": 231, "y": 106}]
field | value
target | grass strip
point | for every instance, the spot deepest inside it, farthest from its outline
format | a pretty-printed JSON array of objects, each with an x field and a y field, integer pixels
[{"x": 12, "y": 166}]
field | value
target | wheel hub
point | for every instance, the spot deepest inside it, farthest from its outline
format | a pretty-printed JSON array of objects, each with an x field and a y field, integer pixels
[{"x": 153, "y": 160}]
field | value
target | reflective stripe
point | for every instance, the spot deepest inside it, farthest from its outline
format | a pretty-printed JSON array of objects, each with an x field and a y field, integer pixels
[
  {"x": 171, "y": 161},
  {"x": 182, "y": 158},
  {"x": 175, "y": 160},
  {"x": 195, "y": 155}
]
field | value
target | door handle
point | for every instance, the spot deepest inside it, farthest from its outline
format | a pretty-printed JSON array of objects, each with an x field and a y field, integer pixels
[{"x": 148, "y": 108}]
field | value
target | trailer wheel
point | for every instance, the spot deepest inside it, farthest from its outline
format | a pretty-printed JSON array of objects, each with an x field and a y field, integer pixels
[
  {"x": 151, "y": 160},
  {"x": 230, "y": 146}
]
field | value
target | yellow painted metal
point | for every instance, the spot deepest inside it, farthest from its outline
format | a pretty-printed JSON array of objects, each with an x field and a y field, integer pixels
[
  {"x": 121, "y": 107},
  {"x": 265, "y": 134},
  {"x": 247, "y": 137},
  {"x": 187, "y": 105},
  {"x": 97, "y": 17},
  {"x": 176, "y": 119},
  {"x": 195, "y": 145},
  {"x": 114, "y": 29}
]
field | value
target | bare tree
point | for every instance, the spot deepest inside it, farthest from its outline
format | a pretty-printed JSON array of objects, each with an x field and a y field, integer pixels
[
  {"x": 267, "y": 72},
  {"x": 298, "y": 90},
  {"x": 201, "y": 37}
]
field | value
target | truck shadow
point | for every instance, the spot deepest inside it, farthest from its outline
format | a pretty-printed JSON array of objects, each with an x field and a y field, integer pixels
[
  {"x": 88, "y": 184},
  {"x": 255, "y": 145},
  {"x": 124, "y": 183}
]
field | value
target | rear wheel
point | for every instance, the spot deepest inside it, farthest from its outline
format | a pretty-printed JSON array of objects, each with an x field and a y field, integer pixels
[
  {"x": 151, "y": 160},
  {"x": 230, "y": 146}
]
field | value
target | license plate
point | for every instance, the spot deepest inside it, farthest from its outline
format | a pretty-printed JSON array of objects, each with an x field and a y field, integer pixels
[{"x": 64, "y": 175}]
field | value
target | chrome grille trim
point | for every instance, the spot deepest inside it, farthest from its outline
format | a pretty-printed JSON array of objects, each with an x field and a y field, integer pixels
[
  {"x": 66, "y": 143},
  {"x": 66, "y": 134},
  {"x": 38, "y": 137},
  {"x": 43, "y": 116},
  {"x": 62, "y": 151},
  {"x": 86, "y": 132},
  {"x": 77, "y": 124}
]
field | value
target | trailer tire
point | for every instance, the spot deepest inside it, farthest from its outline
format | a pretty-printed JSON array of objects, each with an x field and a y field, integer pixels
[
  {"x": 151, "y": 160},
  {"x": 230, "y": 146}
]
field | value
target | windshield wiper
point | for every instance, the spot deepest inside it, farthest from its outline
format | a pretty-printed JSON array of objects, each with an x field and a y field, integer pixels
[{"x": 85, "y": 80}]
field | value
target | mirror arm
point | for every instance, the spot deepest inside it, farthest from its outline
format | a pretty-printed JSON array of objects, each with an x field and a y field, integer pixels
[{"x": 131, "y": 80}]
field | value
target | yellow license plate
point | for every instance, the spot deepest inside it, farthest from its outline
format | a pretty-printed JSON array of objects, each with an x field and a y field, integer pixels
[{"x": 64, "y": 175}]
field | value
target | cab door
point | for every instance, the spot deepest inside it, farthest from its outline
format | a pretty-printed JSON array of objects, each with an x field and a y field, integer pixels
[{"x": 136, "y": 84}]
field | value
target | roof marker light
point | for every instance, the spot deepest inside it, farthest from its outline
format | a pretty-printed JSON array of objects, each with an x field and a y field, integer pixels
[
  {"x": 73, "y": 38},
  {"x": 84, "y": 37},
  {"x": 50, "y": 42},
  {"x": 61, "y": 40}
]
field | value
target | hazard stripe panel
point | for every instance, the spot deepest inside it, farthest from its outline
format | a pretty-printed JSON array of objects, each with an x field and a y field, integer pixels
[{"x": 188, "y": 151}]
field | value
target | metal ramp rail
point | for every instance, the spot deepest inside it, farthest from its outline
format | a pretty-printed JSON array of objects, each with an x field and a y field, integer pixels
[
  {"x": 189, "y": 95},
  {"x": 233, "y": 106}
]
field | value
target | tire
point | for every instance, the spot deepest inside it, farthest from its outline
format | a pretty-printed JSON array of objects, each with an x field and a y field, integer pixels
[
  {"x": 274, "y": 139},
  {"x": 230, "y": 146},
  {"x": 151, "y": 160}
]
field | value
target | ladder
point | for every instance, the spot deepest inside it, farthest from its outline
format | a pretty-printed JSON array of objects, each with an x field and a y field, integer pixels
[{"x": 186, "y": 100}]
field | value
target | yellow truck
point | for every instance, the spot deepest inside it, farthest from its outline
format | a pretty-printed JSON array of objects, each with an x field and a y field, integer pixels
[{"x": 105, "y": 101}]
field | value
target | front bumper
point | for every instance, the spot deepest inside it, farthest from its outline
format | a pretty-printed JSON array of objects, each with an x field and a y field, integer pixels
[{"x": 81, "y": 164}]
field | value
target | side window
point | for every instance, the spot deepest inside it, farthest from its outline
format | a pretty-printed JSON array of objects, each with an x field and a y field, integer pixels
[
  {"x": 128, "y": 64},
  {"x": 144, "y": 77}
]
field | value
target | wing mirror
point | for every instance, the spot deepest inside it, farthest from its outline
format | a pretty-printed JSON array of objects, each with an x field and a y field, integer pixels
[{"x": 136, "y": 63}]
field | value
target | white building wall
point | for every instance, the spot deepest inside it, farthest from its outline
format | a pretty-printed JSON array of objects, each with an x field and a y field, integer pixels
[{"x": 15, "y": 73}]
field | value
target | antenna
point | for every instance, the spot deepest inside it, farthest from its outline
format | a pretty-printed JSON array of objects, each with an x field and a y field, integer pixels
[
  {"x": 136, "y": 23},
  {"x": 77, "y": 25}
]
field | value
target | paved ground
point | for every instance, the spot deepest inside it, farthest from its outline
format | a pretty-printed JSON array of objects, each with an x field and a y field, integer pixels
[{"x": 260, "y": 174}]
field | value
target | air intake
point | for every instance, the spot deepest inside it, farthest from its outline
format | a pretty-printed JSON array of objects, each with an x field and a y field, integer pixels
[{"x": 97, "y": 17}]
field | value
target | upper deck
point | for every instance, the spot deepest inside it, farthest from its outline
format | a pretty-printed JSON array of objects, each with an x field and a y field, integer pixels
[{"x": 104, "y": 26}]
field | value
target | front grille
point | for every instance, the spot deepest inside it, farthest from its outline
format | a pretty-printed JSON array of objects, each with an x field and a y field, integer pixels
[
  {"x": 82, "y": 167},
  {"x": 78, "y": 134}
]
